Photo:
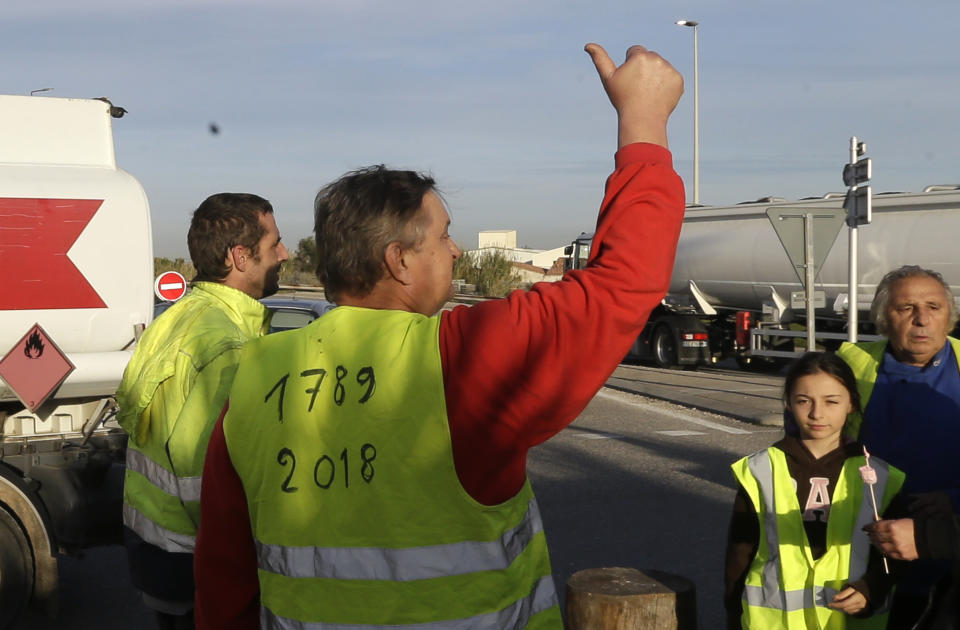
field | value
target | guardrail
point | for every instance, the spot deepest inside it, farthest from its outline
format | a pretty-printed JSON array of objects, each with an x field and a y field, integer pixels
[
  {"x": 295, "y": 288},
  {"x": 757, "y": 333}
]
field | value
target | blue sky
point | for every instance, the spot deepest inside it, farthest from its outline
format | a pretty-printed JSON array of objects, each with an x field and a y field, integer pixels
[{"x": 496, "y": 99}]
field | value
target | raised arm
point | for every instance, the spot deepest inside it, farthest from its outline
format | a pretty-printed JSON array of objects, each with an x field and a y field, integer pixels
[{"x": 518, "y": 370}]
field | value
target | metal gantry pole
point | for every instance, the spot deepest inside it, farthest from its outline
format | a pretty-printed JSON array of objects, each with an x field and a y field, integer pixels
[
  {"x": 696, "y": 117},
  {"x": 696, "y": 107}
]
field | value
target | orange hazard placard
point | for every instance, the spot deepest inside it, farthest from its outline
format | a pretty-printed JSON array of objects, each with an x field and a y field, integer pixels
[{"x": 34, "y": 368}]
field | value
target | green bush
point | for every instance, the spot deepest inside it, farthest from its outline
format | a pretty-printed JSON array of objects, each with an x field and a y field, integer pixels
[
  {"x": 185, "y": 267},
  {"x": 492, "y": 273},
  {"x": 293, "y": 271},
  {"x": 301, "y": 268},
  {"x": 464, "y": 268}
]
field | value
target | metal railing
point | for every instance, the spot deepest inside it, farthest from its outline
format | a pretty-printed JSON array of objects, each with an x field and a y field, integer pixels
[{"x": 756, "y": 349}]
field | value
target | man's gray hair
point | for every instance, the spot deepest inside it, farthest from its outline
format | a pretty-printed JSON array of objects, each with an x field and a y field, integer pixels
[
  {"x": 878, "y": 309},
  {"x": 357, "y": 217}
]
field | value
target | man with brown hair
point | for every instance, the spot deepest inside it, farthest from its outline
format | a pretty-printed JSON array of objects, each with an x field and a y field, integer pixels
[{"x": 176, "y": 384}]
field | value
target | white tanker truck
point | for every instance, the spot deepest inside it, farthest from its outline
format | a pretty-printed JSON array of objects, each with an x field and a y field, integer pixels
[
  {"x": 75, "y": 292},
  {"x": 732, "y": 276}
]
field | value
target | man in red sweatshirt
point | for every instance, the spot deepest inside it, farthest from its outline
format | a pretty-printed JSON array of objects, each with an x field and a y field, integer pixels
[{"x": 370, "y": 469}]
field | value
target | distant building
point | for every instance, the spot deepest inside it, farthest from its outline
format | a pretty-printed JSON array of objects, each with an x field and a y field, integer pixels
[
  {"x": 503, "y": 239},
  {"x": 532, "y": 265},
  {"x": 555, "y": 272},
  {"x": 547, "y": 258}
]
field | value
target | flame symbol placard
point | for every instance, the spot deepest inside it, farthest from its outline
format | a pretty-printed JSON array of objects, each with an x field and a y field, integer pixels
[{"x": 34, "y": 347}]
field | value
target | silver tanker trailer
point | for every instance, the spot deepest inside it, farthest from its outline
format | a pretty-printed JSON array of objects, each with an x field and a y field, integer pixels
[{"x": 732, "y": 275}]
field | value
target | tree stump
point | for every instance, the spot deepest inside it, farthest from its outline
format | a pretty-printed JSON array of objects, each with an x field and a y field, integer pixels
[{"x": 616, "y": 598}]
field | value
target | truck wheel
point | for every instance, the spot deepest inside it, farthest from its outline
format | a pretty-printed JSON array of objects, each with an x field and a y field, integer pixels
[
  {"x": 16, "y": 570},
  {"x": 664, "y": 347}
]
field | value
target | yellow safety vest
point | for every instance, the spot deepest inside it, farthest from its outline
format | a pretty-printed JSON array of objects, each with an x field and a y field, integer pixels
[
  {"x": 170, "y": 397},
  {"x": 785, "y": 587},
  {"x": 864, "y": 359},
  {"x": 339, "y": 434}
]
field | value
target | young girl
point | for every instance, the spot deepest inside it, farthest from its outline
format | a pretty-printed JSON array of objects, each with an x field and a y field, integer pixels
[{"x": 797, "y": 557}]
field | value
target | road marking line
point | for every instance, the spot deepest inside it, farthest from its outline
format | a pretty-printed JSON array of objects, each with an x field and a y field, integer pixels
[
  {"x": 673, "y": 414},
  {"x": 598, "y": 436},
  {"x": 681, "y": 433}
]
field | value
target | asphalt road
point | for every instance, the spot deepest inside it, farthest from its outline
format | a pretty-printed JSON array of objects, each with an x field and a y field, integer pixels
[
  {"x": 644, "y": 484},
  {"x": 95, "y": 594},
  {"x": 722, "y": 389},
  {"x": 634, "y": 482}
]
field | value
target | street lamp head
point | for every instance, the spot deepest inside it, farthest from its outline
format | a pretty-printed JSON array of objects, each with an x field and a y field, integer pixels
[{"x": 687, "y": 23}]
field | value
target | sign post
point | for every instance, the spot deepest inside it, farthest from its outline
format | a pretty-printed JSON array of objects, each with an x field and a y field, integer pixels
[
  {"x": 807, "y": 236},
  {"x": 808, "y": 267},
  {"x": 859, "y": 206}
]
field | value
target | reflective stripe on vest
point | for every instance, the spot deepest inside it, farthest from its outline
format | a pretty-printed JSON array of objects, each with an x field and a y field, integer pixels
[
  {"x": 154, "y": 534},
  {"x": 186, "y": 488},
  {"x": 543, "y": 597},
  {"x": 788, "y": 601},
  {"x": 401, "y": 565},
  {"x": 769, "y": 594}
]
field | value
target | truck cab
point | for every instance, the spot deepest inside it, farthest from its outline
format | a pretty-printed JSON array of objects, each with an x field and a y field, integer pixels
[
  {"x": 674, "y": 336},
  {"x": 577, "y": 253}
]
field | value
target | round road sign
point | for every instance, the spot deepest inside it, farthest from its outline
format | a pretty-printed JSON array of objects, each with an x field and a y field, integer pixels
[{"x": 170, "y": 286}]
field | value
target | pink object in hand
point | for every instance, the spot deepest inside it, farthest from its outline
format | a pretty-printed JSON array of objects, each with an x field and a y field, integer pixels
[{"x": 867, "y": 473}]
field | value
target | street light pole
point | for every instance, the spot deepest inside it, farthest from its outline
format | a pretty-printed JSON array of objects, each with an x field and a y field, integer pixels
[{"x": 696, "y": 110}]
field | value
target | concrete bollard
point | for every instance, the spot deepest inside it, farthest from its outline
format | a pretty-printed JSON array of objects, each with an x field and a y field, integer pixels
[{"x": 616, "y": 598}]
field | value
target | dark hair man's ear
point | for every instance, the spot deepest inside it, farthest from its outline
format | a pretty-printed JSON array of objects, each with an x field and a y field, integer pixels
[{"x": 238, "y": 257}]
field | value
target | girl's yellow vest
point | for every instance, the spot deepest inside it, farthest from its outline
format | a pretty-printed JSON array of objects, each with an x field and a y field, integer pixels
[
  {"x": 785, "y": 587},
  {"x": 340, "y": 436}
]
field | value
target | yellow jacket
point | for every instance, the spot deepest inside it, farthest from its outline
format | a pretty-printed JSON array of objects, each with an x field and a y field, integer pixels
[
  {"x": 171, "y": 395},
  {"x": 864, "y": 359},
  {"x": 785, "y": 588}
]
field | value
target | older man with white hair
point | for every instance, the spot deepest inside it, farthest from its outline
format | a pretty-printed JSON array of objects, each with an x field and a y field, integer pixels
[{"x": 910, "y": 389}]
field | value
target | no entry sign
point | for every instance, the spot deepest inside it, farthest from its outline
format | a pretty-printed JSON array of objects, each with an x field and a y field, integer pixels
[{"x": 170, "y": 286}]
